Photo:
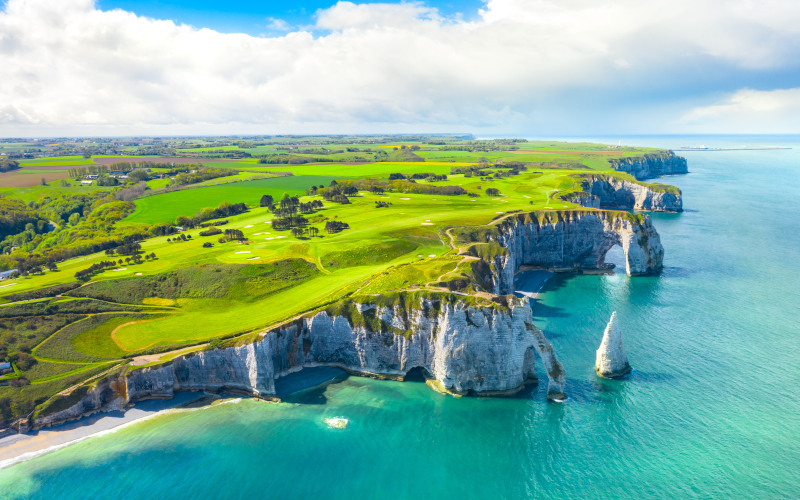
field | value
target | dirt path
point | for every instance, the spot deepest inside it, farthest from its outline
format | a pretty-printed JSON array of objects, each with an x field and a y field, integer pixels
[{"x": 68, "y": 390}]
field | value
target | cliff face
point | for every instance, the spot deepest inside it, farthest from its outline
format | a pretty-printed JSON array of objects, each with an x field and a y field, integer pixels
[
  {"x": 651, "y": 165},
  {"x": 468, "y": 350},
  {"x": 575, "y": 240},
  {"x": 609, "y": 192},
  {"x": 108, "y": 394}
]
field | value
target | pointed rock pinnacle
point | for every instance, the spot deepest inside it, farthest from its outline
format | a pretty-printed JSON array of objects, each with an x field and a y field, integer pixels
[{"x": 612, "y": 360}]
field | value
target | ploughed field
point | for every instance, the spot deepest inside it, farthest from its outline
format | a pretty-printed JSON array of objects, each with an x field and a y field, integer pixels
[{"x": 201, "y": 290}]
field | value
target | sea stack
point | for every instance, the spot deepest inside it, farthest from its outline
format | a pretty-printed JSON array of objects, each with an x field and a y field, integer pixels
[{"x": 612, "y": 360}]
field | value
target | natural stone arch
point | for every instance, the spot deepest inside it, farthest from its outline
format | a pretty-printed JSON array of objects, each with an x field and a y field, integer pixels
[{"x": 575, "y": 240}]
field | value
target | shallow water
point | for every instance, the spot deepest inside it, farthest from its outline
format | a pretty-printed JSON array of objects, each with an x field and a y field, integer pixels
[{"x": 711, "y": 410}]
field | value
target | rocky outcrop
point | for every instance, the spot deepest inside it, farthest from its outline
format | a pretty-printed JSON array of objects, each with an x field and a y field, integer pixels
[
  {"x": 613, "y": 193},
  {"x": 486, "y": 350},
  {"x": 573, "y": 240},
  {"x": 650, "y": 166},
  {"x": 612, "y": 360},
  {"x": 106, "y": 394}
]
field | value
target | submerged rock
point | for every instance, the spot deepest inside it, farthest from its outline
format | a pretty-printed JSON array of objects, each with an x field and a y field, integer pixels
[
  {"x": 612, "y": 360},
  {"x": 337, "y": 422}
]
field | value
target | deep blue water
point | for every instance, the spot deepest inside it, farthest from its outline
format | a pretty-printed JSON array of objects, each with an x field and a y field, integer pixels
[{"x": 711, "y": 410}]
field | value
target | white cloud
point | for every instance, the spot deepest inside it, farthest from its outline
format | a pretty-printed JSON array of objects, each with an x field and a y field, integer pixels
[
  {"x": 278, "y": 24},
  {"x": 773, "y": 111},
  {"x": 522, "y": 64}
]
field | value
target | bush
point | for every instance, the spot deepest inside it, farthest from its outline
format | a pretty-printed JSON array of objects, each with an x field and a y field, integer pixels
[{"x": 211, "y": 231}]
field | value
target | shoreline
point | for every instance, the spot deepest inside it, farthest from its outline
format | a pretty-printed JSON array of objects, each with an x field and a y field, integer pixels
[
  {"x": 533, "y": 279},
  {"x": 17, "y": 448}
]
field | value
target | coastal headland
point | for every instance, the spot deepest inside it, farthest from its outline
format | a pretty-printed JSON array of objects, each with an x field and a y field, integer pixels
[{"x": 382, "y": 257}]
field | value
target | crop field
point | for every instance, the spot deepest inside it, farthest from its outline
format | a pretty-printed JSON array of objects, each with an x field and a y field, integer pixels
[
  {"x": 28, "y": 178},
  {"x": 166, "y": 207}
]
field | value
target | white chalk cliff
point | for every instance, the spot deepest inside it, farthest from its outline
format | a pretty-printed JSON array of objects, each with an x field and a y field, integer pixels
[
  {"x": 612, "y": 360},
  {"x": 613, "y": 193},
  {"x": 468, "y": 350},
  {"x": 573, "y": 240},
  {"x": 651, "y": 165}
]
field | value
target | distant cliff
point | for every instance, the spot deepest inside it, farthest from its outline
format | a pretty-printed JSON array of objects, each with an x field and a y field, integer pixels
[
  {"x": 650, "y": 166},
  {"x": 565, "y": 240},
  {"x": 616, "y": 193}
]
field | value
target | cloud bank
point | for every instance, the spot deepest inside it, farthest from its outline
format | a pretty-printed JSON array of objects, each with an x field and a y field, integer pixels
[{"x": 523, "y": 66}]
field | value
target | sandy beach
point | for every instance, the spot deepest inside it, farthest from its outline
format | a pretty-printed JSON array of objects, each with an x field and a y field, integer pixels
[{"x": 17, "y": 448}]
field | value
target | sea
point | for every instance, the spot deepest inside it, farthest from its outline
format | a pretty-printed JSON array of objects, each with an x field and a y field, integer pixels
[{"x": 711, "y": 410}]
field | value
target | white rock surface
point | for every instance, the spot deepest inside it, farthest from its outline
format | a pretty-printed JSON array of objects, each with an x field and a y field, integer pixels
[
  {"x": 574, "y": 240},
  {"x": 651, "y": 165},
  {"x": 469, "y": 350},
  {"x": 612, "y": 360},
  {"x": 602, "y": 191}
]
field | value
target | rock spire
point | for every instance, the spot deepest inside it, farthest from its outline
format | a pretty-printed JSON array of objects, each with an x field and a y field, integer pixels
[{"x": 612, "y": 360}]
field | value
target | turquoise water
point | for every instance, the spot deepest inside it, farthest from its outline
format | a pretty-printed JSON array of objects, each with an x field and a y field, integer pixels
[{"x": 711, "y": 410}]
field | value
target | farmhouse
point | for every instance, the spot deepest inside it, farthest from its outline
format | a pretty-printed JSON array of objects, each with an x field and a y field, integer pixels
[
  {"x": 91, "y": 176},
  {"x": 6, "y": 274}
]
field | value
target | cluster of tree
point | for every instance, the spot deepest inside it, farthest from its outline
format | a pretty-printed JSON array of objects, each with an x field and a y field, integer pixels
[
  {"x": 402, "y": 186},
  {"x": 288, "y": 222},
  {"x": 130, "y": 246},
  {"x": 492, "y": 192},
  {"x": 131, "y": 193},
  {"x": 96, "y": 268},
  {"x": 266, "y": 201},
  {"x": 297, "y": 232},
  {"x": 334, "y": 226},
  {"x": 208, "y": 244},
  {"x": 336, "y": 192},
  {"x": 211, "y": 231},
  {"x": 232, "y": 235},
  {"x": 224, "y": 209},
  {"x": 287, "y": 159},
  {"x": 310, "y": 151},
  {"x": 382, "y": 204},
  {"x": 7, "y": 164},
  {"x": 202, "y": 174},
  {"x": 215, "y": 223},
  {"x": 180, "y": 237},
  {"x": 470, "y": 171},
  {"x": 16, "y": 217},
  {"x": 82, "y": 224}
]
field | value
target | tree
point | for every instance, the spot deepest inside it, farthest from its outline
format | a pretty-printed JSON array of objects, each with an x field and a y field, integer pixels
[
  {"x": 312, "y": 231},
  {"x": 74, "y": 219},
  {"x": 44, "y": 182},
  {"x": 492, "y": 192},
  {"x": 266, "y": 200}
]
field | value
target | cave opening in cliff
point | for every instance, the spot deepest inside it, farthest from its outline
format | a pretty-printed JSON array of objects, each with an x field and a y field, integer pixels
[
  {"x": 616, "y": 257},
  {"x": 417, "y": 374}
]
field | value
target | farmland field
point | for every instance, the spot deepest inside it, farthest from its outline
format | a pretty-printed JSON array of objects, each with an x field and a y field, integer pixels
[{"x": 166, "y": 207}]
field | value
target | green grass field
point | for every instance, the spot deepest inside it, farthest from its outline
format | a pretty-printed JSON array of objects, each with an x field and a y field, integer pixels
[{"x": 166, "y": 207}]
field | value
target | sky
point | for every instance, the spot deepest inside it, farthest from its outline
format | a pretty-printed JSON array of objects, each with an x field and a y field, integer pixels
[{"x": 522, "y": 68}]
